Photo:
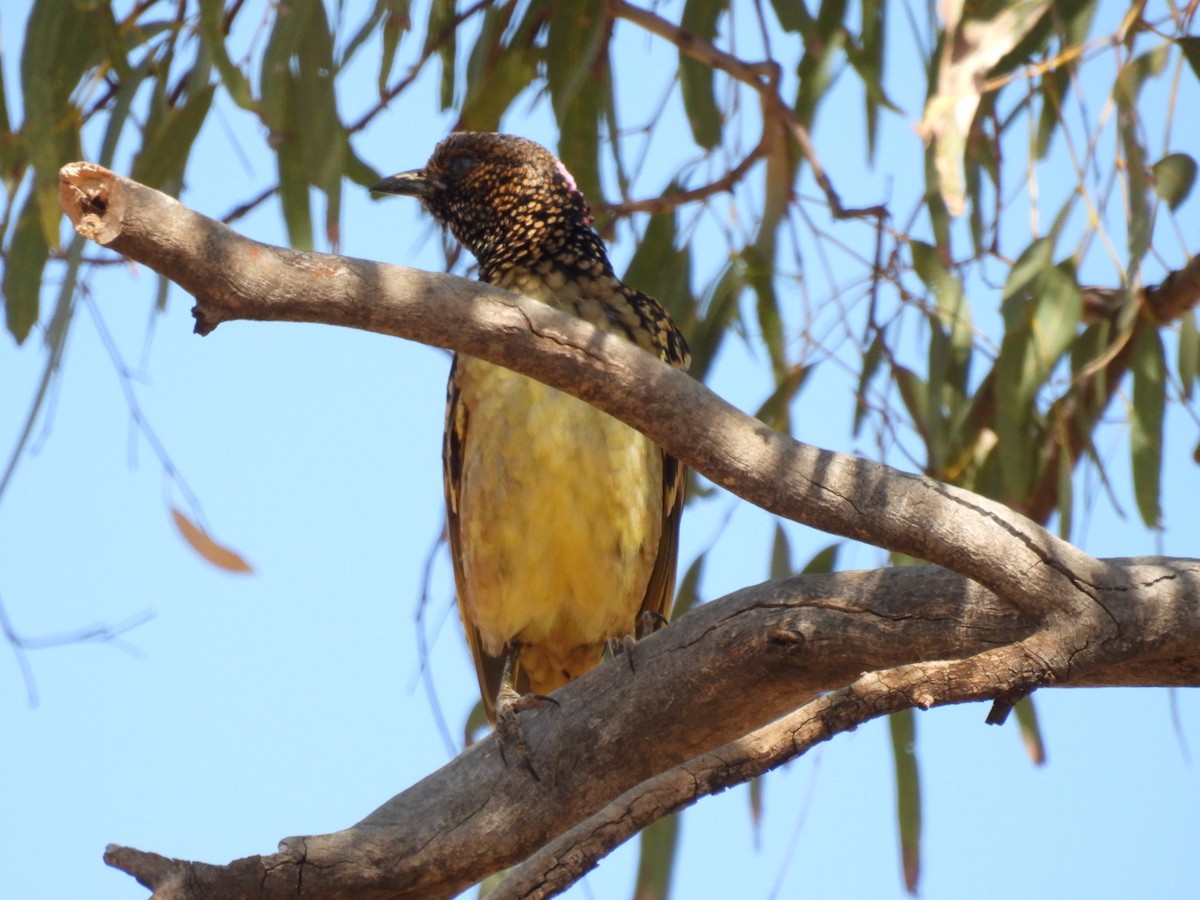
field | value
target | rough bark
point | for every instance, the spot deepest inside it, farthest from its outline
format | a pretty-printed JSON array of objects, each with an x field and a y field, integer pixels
[{"x": 1014, "y": 608}]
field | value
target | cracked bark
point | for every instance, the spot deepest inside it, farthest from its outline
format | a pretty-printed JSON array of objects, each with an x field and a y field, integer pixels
[{"x": 1014, "y": 608}]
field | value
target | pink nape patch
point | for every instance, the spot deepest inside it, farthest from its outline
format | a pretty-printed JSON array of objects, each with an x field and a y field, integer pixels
[{"x": 567, "y": 176}]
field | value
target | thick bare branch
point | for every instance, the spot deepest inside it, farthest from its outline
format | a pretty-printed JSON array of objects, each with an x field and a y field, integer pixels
[{"x": 690, "y": 691}]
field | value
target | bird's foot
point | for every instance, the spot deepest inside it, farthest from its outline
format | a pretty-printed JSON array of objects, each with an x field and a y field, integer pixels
[
  {"x": 649, "y": 622},
  {"x": 508, "y": 727}
]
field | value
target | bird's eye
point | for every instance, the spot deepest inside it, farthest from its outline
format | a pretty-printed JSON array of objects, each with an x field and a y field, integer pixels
[{"x": 461, "y": 165}]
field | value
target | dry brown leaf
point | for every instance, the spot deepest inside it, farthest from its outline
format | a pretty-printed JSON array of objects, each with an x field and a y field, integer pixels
[{"x": 220, "y": 556}]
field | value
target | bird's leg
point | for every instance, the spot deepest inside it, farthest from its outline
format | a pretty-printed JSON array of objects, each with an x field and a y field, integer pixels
[
  {"x": 623, "y": 646},
  {"x": 648, "y": 622},
  {"x": 509, "y": 702}
]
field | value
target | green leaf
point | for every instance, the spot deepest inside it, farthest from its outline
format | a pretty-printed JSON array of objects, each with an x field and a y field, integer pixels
[
  {"x": 950, "y": 348},
  {"x": 357, "y": 170},
  {"x": 1042, "y": 307},
  {"x": 867, "y": 58},
  {"x": 275, "y": 73},
  {"x": 212, "y": 36},
  {"x": 293, "y": 180},
  {"x": 1189, "y": 352},
  {"x": 658, "y": 268},
  {"x": 62, "y": 42},
  {"x": 823, "y": 561},
  {"x": 578, "y": 74},
  {"x": 165, "y": 150},
  {"x": 1029, "y": 266},
  {"x": 654, "y": 251},
  {"x": 775, "y": 411},
  {"x": 656, "y": 861},
  {"x": 757, "y": 805},
  {"x": 319, "y": 126},
  {"x": 575, "y": 40},
  {"x": 719, "y": 310},
  {"x": 1129, "y": 84},
  {"x": 903, "y": 726},
  {"x": 300, "y": 108},
  {"x": 1146, "y": 424},
  {"x": 792, "y": 16},
  {"x": 781, "y": 554},
  {"x": 825, "y": 40},
  {"x": 759, "y": 273},
  {"x": 441, "y": 38},
  {"x": 12, "y": 152},
  {"x": 870, "y": 366},
  {"x": 489, "y": 96},
  {"x": 1031, "y": 732},
  {"x": 696, "y": 78},
  {"x": 1057, "y": 313},
  {"x": 688, "y": 594},
  {"x": 1054, "y": 87},
  {"x": 1191, "y": 52},
  {"x": 396, "y": 22},
  {"x": 1174, "y": 176},
  {"x": 915, "y": 395},
  {"x": 24, "y": 263}
]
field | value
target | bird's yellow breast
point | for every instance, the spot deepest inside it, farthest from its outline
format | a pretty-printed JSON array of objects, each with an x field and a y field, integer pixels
[{"x": 560, "y": 510}]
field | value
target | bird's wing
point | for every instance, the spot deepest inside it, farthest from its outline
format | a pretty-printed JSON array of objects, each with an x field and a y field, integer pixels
[
  {"x": 660, "y": 591},
  {"x": 671, "y": 348},
  {"x": 489, "y": 669}
]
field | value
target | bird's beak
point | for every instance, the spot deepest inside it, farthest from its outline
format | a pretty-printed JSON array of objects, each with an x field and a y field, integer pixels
[{"x": 413, "y": 184}]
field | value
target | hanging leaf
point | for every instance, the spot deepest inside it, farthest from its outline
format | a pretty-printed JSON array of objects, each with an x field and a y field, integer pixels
[
  {"x": 219, "y": 555},
  {"x": 696, "y": 78},
  {"x": 578, "y": 75},
  {"x": 1146, "y": 424},
  {"x": 719, "y": 310},
  {"x": 775, "y": 411},
  {"x": 496, "y": 72},
  {"x": 1126, "y": 90},
  {"x": 1031, "y": 732},
  {"x": 903, "y": 726},
  {"x": 26, "y": 259},
  {"x": 823, "y": 561},
  {"x": 1191, "y": 52},
  {"x": 688, "y": 593},
  {"x": 62, "y": 42},
  {"x": 1174, "y": 176},
  {"x": 781, "y": 554},
  {"x": 656, "y": 862},
  {"x": 165, "y": 149},
  {"x": 212, "y": 35},
  {"x": 441, "y": 37},
  {"x": 1189, "y": 352},
  {"x": 870, "y": 366}
]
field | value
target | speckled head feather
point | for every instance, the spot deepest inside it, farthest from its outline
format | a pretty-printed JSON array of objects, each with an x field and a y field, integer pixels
[{"x": 509, "y": 201}]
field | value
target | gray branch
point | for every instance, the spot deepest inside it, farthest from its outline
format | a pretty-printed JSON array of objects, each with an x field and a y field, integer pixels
[{"x": 1013, "y": 609}]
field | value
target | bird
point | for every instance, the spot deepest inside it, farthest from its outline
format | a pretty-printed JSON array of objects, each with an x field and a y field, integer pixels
[{"x": 563, "y": 522}]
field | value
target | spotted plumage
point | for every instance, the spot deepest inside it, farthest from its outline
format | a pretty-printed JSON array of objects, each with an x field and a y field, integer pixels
[{"x": 563, "y": 522}]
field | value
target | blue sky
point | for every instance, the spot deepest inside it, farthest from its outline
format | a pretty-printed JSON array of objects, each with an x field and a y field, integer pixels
[{"x": 247, "y": 709}]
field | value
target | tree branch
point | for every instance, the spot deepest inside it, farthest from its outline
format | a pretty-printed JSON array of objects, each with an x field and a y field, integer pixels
[
  {"x": 1076, "y": 620},
  {"x": 233, "y": 277},
  {"x": 686, "y": 693}
]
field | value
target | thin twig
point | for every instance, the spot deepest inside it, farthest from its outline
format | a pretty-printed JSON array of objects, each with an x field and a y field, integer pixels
[{"x": 668, "y": 202}]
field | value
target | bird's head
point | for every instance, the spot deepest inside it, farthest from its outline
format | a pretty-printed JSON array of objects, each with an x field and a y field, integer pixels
[{"x": 508, "y": 200}]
